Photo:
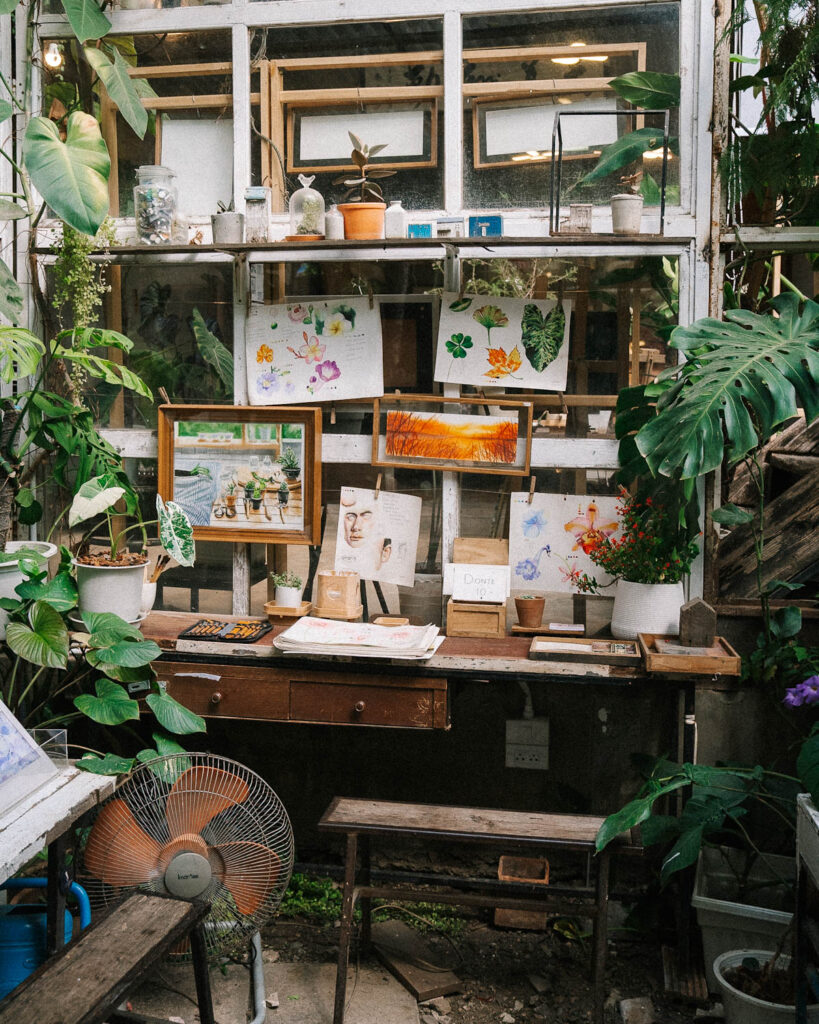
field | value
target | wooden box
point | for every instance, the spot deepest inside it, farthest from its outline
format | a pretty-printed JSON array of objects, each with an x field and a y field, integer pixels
[
  {"x": 339, "y": 595},
  {"x": 591, "y": 651},
  {"x": 479, "y": 620},
  {"x": 532, "y": 871},
  {"x": 721, "y": 659}
]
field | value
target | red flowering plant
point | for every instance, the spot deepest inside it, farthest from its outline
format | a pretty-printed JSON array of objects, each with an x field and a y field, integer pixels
[{"x": 647, "y": 549}]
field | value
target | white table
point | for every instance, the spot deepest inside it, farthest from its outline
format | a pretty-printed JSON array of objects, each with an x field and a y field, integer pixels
[{"x": 43, "y": 819}]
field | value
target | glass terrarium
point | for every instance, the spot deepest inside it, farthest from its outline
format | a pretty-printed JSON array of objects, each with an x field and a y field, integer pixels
[{"x": 307, "y": 211}]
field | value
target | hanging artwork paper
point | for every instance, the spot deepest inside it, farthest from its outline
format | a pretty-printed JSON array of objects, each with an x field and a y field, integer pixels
[
  {"x": 317, "y": 351},
  {"x": 451, "y": 436},
  {"x": 378, "y": 536},
  {"x": 551, "y": 537},
  {"x": 521, "y": 343}
]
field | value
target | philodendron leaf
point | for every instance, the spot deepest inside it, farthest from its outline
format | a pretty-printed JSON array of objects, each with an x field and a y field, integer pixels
[
  {"x": 111, "y": 706},
  {"x": 626, "y": 149},
  {"x": 648, "y": 89},
  {"x": 108, "y": 765},
  {"x": 125, "y": 653},
  {"x": 111, "y": 625},
  {"x": 120, "y": 87},
  {"x": 9, "y": 210},
  {"x": 172, "y": 716},
  {"x": 731, "y": 515},
  {"x": 175, "y": 532},
  {"x": 11, "y": 295},
  {"x": 44, "y": 641},
  {"x": 213, "y": 351},
  {"x": 87, "y": 21},
  {"x": 59, "y": 592},
  {"x": 92, "y": 499},
  {"x": 20, "y": 350},
  {"x": 71, "y": 176}
]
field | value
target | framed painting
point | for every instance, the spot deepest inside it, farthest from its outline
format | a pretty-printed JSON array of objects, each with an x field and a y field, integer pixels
[
  {"x": 462, "y": 435},
  {"x": 242, "y": 473}
]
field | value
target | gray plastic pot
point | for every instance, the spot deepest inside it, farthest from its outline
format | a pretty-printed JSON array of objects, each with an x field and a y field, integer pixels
[
  {"x": 110, "y": 588},
  {"x": 228, "y": 228},
  {"x": 741, "y": 1008}
]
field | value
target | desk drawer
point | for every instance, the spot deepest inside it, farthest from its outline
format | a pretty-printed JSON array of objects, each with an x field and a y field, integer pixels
[
  {"x": 227, "y": 691},
  {"x": 409, "y": 707}
]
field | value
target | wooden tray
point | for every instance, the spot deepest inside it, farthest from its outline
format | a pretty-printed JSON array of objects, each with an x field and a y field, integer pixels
[
  {"x": 543, "y": 630},
  {"x": 332, "y": 613},
  {"x": 721, "y": 659},
  {"x": 591, "y": 651},
  {"x": 277, "y": 611}
]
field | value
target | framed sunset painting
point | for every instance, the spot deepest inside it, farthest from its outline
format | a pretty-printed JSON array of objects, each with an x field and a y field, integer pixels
[{"x": 466, "y": 435}]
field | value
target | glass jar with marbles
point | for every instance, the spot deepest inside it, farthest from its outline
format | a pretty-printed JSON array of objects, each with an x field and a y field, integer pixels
[{"x": 155, "y": 204}]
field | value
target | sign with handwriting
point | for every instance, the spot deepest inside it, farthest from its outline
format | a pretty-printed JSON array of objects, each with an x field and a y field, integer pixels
[{"x": 480, "y": 582}]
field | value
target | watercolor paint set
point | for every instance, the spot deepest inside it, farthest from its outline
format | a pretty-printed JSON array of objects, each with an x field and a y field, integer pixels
[{"x": 245, "y": 631}]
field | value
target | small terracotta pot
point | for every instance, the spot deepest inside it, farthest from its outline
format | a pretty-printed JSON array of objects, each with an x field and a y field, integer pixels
[
  {"x": 363, "y": 220},
  {"x": 230, "y": 500},
  {"x": 530, "y": 610}
]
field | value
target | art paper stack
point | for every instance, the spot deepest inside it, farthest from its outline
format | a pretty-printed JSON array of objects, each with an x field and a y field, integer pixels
[{"x": 360, "y": 639}]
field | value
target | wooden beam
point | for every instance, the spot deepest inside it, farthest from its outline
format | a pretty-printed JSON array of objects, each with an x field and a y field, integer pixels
[
  {"x": 222, "y": 67},
  {"x": 212, "y": 101},
  {"x": 542, "y": 87},
  {"x": 369, "y": 94}
]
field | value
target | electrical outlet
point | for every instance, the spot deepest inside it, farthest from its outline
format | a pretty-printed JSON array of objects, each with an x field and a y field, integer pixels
[{"x": 527, "y": 743}]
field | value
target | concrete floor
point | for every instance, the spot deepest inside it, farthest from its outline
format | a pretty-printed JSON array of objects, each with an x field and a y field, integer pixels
[{"x": 304, "y": 993}]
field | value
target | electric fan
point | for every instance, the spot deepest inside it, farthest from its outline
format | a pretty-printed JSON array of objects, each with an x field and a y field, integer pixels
[{"x": 194, "y": 825}]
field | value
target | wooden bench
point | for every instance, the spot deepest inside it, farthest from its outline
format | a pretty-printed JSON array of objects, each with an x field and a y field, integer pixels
[
  {"x": 359, "y": 820},
  {"x": 84, "y": 982}
]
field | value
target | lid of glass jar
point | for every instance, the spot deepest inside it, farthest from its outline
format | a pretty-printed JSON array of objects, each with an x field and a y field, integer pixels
[
  {"x": 256, "y": 193},
  {"x": 306, "y": 183}
]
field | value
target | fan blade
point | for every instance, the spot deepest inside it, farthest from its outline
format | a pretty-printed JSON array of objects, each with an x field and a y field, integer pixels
[
  {"x": 198, "y": 795},
  {"x": 118, "y": 851},
  {"x": 251, "y": 871}
]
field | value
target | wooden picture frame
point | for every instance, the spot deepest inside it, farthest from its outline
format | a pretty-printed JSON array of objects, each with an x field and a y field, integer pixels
[
  {"x": 205, "y": 448},
  {"x": 494, "y": 435}
]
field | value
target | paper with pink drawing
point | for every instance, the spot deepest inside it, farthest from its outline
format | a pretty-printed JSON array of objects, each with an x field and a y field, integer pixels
[
  {"x": 488, "y": 340},
  {"x": 551, "y": 537},
  {"x": 314, "y": 351}
]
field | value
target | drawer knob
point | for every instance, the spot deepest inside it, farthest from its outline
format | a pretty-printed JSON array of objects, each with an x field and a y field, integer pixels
[
  {"x": 359, "y": 707},
  {"x": 216, "y": 698}
]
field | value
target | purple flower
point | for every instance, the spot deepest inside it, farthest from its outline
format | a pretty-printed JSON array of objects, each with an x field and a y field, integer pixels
[
  {"x": 803, "y": 693},
  {"x": 327, "y": 371},
  {"x": 268, "y": 382}
]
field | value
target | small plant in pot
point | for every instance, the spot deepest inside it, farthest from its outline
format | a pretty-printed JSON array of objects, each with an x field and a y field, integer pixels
[
  {"x": 230, "y": 494},
  {"x": 114, "y": 578},
  {"x": 288, "y": 589},
  {"x": 530, "y": 610},
  {"x": 627, "y": 206},
  {"x": 289, "y": 461},
  {"x": 227, "y": 226},
  {"x": 256, "y": 495},
  {"x": 363, "y": 207}
]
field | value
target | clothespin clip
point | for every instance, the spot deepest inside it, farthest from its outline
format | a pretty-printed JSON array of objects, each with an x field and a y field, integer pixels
[
  {"x": 370, "y": 295},
  {"x": 377, "y": 487},
  {"x": 531, "y": 489},
  {"x": 163, "y": 394},
  {"x": 333, "y": 414}
]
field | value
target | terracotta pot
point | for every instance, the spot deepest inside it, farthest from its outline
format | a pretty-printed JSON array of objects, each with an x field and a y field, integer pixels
[
  {"x": 363, "y": 220},
  {"x": 530, "y": 610},
  {"x": 230, "y": 500}
]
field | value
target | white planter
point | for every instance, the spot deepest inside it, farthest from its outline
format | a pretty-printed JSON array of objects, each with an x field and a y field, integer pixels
[
  {"x": 43, "y": 548},
  {"x": 148, "y": 597},
  {"x": 288, "y": 597},
  {"x": 744, "y": 1009},
  {"x": 110, "y": 588},
  {"x": 10, "y": 577},
  {"x": 646, "y": 608},
  {"x": 626, "y": 212},
  {"x": 228, "y": 228}
]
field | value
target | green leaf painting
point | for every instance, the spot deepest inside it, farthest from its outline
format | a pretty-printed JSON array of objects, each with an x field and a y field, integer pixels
[
  {"x": 542, "y": 336},
  {"x": 490, "y": 317},
  {"x": 458, "y": 345},
  {"x": 459, "y": 305}
]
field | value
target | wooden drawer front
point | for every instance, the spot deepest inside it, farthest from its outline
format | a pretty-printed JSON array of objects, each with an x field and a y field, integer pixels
[
  {"x": 353, "y": 704},
  {"x": 227, "y": 691}
]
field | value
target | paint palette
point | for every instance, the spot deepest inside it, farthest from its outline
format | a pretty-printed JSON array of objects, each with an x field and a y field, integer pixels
[{"x": 243, "y": 631}]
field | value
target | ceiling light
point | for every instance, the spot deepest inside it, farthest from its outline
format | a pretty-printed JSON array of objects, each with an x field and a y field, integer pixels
[
  {"x": 53, "y": 56},
  {"x": 577, "y": 44},
  {"x": 565, "y": 60}
]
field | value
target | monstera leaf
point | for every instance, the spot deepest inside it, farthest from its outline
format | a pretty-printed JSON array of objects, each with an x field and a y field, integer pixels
[
  {"x": 175, "y": 532},
  {"x": 743, "y": 380},
  {"x": 541, "y": 335},
  {"x": 20, "y": 351}
]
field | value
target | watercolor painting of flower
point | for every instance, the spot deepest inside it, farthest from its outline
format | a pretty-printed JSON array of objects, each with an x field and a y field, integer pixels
[
  {"x": 534, "y": 523},
  {"x": 587, "y": 531},
  {"x": 529, "y": 568},
  {"x": 325, "y": 372},
  {"x": 490, "y": 317},
  {"x": 268, "y": 383},
  {"x": 337, "y": 324},
  {"x": 297, "y": 313},
  {"x": 310, "y": 351},
  {"x": 264, "y": 354}
]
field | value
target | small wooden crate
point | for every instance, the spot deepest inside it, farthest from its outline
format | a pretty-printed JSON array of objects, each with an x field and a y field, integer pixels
[
  {"x": 464, "y": 618},
  {"x": 533, "y": 871},
  {"x": 721, "y": 659},
  {"x": 591, "y": 651},
  {"x": 339, "y": 595}
]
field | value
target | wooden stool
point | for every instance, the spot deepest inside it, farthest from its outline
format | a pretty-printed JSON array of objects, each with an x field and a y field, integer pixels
[{"x": 362, "y": 819}]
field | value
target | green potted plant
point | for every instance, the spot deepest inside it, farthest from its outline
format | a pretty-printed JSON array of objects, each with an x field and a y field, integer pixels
[
  {"x": 289, "y": 461},
  {"x": 530, "y": 609},
  {"x": 227, "y": 226},
  {"x": 288, "y": 589},
  {"x": 113, "y": 578},
  {"x": 256, "y": 493},
  {"x": 363, "y": 207},
  {"x": 230, "y": 494}
]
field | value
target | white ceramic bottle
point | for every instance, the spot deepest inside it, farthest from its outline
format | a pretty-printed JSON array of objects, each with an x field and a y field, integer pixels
[
  {"x": 395, "y": 220},
  {"x": 333, "y": 223}
]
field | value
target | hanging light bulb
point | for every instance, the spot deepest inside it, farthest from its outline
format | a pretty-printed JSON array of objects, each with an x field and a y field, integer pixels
[{"x": 53, "y": 56}]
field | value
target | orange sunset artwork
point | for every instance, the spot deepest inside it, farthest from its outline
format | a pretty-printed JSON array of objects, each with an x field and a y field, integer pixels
[{"x": 451, "y": 437}]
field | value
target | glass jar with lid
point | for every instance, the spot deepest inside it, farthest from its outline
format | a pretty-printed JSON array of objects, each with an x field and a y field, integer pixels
[
  {"x": 155, "y": 204},
  {"x": 257, "y": 213},
  {"x": 306, "y": 211}
]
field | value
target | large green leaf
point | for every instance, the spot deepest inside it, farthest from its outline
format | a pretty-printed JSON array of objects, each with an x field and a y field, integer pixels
[
  {"x": 71, "y": 176},
  {"x": 172, "y": 716},
  {"x": 108, "y": 765},
  {"x": 59, "y": 592},
  {"x": 9, "y": 210},
  {"x": 107, "y": 370},
  {"x": 20, "y": 350},
  {"x": 107, "y": 627},
  {"x": 743, "y": 380},
  {"x": 44, "y": 641},
  {"x": 93, "y": 498},
  {"x": 626, "y": 149},
  {"x": 175, "y": 532},
  {"x": 87, "y": 20},
  {"x": 120, "y": 87},
  {"x": 125, "y": 653},
  {"x": 648, "y": 89},
  {"x": 111, "y": 706},
  {"x": 213, "y": 351}
]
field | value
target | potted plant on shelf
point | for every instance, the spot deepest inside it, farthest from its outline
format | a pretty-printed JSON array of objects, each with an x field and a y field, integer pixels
[
  {"x": 627, "y": 206},
  {"x": 648, "y": 563},
  {"x": 228, "y": 227},
  {"x": 288, "y": 589},
  {"x": 363, "y": 212},
  {"x": 530, "y": 610},
  {"x": 289, "y": 461}
]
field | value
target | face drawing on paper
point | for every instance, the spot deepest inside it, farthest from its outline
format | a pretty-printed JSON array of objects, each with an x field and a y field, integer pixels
[{"x": 364, "y": 534}]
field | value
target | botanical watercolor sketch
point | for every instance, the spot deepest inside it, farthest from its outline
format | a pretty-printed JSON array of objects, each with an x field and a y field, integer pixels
[
  {"x": 378, "y": 535},
  {"x": 552, "y": 537},
  {"x": 317, "y": 351},
  {"x": 485, "y": 340},
  {"x": 451, "y": 437},
  {"x": 23, "y": 765}
]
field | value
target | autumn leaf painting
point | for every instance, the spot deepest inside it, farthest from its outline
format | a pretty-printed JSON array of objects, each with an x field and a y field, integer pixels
[{"x": 503, "y": 365}]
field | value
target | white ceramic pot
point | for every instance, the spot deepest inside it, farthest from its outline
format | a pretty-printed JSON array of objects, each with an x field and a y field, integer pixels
[
  {"x": 10, "y": 577},
  {"x": 741, "y": 1008},
  {"x": 110, "y": 588},
  {"x": 148, "y": 597},
  {"x": 43, "y": 548},
  {"x": 646, "y": 608},
  {"x": 626, "y": 213},
  {"x": 288, "y": 597},
  {"x": 228, "y": 228}
]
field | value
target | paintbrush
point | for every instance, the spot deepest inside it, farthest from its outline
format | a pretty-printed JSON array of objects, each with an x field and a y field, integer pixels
[{"x": 161, "y": 565}]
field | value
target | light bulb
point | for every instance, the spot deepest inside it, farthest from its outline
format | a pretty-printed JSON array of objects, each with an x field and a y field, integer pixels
[{"x": 53, "y": 56}]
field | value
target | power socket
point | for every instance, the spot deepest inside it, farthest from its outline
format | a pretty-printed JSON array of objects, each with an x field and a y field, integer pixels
[{"x": 527, "y": 743}]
